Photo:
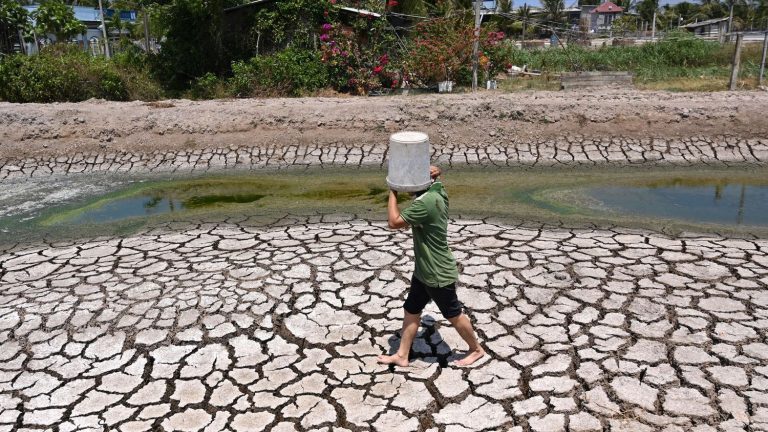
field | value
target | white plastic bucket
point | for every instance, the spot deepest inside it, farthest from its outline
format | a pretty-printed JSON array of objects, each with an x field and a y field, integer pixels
[
  {"x": 445, "y": 86},
  {"x": 408, "y": 162}
]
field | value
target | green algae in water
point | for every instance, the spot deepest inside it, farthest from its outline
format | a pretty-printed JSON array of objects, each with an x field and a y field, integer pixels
[{"x": 560, "y": 196}]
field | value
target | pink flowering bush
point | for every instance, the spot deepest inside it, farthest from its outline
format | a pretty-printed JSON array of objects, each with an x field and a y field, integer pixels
[
  {"x": 354, "y": 66},
  {"x": 439, "y": 49},
  {"x": 497, "y": 51}
]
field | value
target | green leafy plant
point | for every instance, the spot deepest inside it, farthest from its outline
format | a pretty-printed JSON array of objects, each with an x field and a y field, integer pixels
[
  {"x": 438, "y": 49},
  {"x": 193, "y": 44},
  {"x": 55, "y": 17},
  {"x": 292, "y": 72},
  {"x": 64, "y": 73},
  {"x": 357, "y": 66}
]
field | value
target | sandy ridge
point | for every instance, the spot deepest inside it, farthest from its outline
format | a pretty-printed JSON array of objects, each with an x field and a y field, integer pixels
[{"x": 95, "y": 126}]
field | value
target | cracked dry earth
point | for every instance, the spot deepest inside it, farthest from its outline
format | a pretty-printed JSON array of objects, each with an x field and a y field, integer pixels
[{"x": 225, "y": 326}]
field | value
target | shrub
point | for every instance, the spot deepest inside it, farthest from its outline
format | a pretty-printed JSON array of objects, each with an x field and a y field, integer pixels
[
  {"x": 63, "y": 73},
  {"x": 357, "y": 67},
  {"x": 293, "y": 72},
  {"x": 132, "y": 65},
  {"x": 674, "y": 53},
  {"x": 59, "y": 73},
  {"x": 439, "y": 49},
  {"x": 208, "y": 86}
]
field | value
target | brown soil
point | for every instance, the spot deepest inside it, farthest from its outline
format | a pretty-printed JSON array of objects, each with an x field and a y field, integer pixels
[{"x": 37, "y": 130}]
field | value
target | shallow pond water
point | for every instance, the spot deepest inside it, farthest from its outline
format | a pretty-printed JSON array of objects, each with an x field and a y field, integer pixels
[
  {"x": 732, "y": 204},
  {"x": 670, "y": 199}
]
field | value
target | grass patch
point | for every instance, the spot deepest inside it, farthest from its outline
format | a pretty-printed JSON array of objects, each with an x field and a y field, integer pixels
[{"x": 678, "y": 63}]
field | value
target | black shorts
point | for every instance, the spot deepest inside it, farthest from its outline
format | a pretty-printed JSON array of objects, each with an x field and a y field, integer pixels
[{"x": 444, "y": 297}]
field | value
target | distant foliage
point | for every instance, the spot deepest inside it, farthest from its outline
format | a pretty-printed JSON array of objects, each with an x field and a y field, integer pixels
[
  {"x": 192, "y": 46},
  {"x": 673, "y": 55},
  {"x": 63, "y": 73},
  {"x": 14, "y": 16},
  {"x": 292, "y": 72},
  {"x": 55, "y": 17},
  {"x": 360, "y": 67},
  {"x": 438, "y": 49}
]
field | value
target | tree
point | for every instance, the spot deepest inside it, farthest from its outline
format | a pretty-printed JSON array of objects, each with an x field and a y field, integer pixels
[
  {"x": 686, "y": 11},
  {"x": 505, "y": 6},
  {"x": 13, "y": 15},
  {"x": 646, "y": 9},
  {"x": 54, "y": 17},
  {"x": 624, "y": 24},
  {"x": 410, "y": 7},
  {"x": 14, "y": 23},
  {"x": 193, "y": 42},
  {"x": 524, "y": 13},
  {"x": 439, "y": 49},
  {"x": 554, "y": 10},
  {"x": 711, "y": 9}
]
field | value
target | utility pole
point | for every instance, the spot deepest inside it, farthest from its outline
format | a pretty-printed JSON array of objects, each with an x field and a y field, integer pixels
[
  {"x": 653, "y": 28},
  {"x": 146, "y": 29},
  {"x": 104, "y": 31},
  {"x": 525, "y": 22},
  {"x": 736, "y": 62},
  {"x": 476, "y": 44},
  {"x": 730, "y": 22},
  {"x": 762, "y": 61}
]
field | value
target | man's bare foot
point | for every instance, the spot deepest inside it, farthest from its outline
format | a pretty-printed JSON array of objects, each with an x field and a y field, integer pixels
[
  {"x": 393, "y": 359},
  {"x": 471, "y": 357}
]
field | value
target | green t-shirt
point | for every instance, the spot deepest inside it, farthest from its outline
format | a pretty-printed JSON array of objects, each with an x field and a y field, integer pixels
[{"x": 428, "y": 218}]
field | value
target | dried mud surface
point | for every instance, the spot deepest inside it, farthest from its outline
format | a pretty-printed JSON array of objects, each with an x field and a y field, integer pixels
[{"x": 51, "y": 130}]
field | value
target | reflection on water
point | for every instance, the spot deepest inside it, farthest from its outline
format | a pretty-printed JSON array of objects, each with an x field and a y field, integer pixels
[
  {"x": 739, "y": 204},
  {"x": 156, "y": 204},
  {"x": 673, "y": 199}
]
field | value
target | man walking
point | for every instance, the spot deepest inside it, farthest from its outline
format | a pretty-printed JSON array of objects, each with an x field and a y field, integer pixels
[{"x": 435, "y": 275}]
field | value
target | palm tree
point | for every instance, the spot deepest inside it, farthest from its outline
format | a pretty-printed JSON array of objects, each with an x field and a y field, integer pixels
[
  {"x": 524, "y": 13},
  {"x": 554, "y": 10},
  {"x": 646, "y": 9},
  {"x": 504, "y": 6},
  {"x": 411, "y": 7}
]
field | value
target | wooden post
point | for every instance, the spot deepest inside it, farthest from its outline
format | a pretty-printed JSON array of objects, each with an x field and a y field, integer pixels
[
  {"x": 653, "y": 28},
  {"x": 762, "y": 61},
  {"x": 476, "y": 45},
  {"x": 23, "y": 47},
  {"x": 736, "y": 62}
]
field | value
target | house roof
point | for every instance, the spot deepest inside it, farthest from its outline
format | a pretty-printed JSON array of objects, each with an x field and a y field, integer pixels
[
  {"x": 705, "y": 23},
  {"x": 608, "y": 7},
  {"x": 91, "y": 14}
]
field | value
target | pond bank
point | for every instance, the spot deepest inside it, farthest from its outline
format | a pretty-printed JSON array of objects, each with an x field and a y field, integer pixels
[{"x": 488, "y": 128}]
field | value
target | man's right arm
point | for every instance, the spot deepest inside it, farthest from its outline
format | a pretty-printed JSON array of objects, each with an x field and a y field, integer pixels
[{"x": 395, "y": 221}]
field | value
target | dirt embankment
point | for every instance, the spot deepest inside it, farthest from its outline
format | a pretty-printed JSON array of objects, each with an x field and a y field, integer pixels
[{"x": 46, "y": 130}]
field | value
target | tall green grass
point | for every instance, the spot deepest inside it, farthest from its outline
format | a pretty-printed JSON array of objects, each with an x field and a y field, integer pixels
[{"x": 674, "y": 57}]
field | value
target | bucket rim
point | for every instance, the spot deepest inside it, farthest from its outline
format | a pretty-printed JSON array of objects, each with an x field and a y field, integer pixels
[
  {"x": 408, "y": 188},
  {"x": 409, "y": 137}
]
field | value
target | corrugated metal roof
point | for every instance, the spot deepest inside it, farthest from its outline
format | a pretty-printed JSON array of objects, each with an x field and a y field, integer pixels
[
  {"x": 91, "y": 14},
  {"x": 704, "y": 23}
]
